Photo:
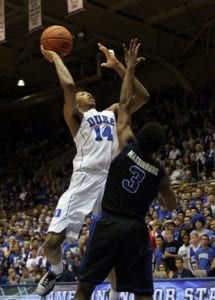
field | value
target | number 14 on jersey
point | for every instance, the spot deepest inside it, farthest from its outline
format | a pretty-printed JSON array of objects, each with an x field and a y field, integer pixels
[{"x": 104, "y": 133}]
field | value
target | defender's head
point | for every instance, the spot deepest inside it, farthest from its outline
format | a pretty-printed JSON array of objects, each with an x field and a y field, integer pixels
[{"x": 150, "y": 138}]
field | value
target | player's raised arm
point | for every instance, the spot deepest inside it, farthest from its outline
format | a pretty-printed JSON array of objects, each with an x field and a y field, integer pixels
[
  {"x": 72, "y": 114},
  {"x": 141, "y": 95},
  {"x": 124, "y": 117}
]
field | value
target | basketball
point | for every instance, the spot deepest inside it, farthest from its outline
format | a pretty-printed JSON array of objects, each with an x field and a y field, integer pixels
[{"x": 57, "y": 38}]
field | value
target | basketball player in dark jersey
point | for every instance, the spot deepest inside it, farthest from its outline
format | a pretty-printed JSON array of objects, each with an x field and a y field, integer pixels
[{"x": 119, "y": 237}]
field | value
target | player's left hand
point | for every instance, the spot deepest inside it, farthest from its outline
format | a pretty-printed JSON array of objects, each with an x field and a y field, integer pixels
[{"x": 111, "y": 58}]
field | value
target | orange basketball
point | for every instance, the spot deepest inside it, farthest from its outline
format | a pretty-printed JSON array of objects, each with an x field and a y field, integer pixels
[{"x": 58, "y": 39}]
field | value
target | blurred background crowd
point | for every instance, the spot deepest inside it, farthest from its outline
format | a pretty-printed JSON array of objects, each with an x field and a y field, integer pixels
[{"x": 30, "y": 187}]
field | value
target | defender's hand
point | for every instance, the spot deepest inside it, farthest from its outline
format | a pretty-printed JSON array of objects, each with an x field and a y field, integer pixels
[{"x": 131, "y": 54}]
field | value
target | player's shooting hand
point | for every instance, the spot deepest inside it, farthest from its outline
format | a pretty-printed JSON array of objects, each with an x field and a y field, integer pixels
[
  {"x": 110, "y": 57},
  {"x": 49, "y": 55},
  {"x": 131, "y": 54}
]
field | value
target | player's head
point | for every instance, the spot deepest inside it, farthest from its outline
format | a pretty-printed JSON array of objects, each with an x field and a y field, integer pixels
[
  {"x": 150, "y": 138},
  {"x": 85, "y": 100}
]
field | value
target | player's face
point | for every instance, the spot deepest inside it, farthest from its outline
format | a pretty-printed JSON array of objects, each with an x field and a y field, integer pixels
[{"x": 85, "y": 100}]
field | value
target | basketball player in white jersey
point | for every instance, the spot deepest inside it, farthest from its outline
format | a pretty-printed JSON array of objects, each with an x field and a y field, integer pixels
[{"x": 94, "y": 134}]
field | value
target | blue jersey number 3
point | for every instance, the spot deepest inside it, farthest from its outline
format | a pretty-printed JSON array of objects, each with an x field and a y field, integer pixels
[{"x": 132, "y": 184}]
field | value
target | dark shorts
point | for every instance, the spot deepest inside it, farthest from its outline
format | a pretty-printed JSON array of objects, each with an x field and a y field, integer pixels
[{"x": 121, "y": 243}]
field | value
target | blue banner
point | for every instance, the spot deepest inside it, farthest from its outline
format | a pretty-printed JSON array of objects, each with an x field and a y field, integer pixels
[{"x": 179, "y": 289}]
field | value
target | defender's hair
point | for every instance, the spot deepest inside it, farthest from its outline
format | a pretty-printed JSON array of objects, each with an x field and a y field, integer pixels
[{"x": 151, "y": 137}]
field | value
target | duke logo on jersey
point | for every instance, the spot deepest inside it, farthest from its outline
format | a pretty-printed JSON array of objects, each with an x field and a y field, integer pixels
[{"x": 99, "y": 119}]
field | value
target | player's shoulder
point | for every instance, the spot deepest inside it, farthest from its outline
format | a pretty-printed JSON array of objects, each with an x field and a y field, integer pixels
[{"x": 114, "y": 108}]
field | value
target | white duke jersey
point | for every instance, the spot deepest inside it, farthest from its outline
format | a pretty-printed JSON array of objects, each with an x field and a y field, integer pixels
[{"x": 96, "y": 141}]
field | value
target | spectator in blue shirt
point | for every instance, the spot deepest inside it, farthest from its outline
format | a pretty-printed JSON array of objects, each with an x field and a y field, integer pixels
[
  {"x": 158, "y": 252},
  {"x": 204, "y": 254}
]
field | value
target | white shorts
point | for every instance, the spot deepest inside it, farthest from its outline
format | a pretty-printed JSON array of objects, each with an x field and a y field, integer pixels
[{"x": 83, "y": 196}]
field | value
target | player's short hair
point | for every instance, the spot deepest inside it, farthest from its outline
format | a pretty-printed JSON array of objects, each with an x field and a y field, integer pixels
[
  {"x": 80, "y": 89},
  {"x": 151, "y": 137}
]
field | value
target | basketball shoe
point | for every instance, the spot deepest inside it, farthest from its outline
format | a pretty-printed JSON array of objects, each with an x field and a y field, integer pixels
[{"x": 47, "y": 282}]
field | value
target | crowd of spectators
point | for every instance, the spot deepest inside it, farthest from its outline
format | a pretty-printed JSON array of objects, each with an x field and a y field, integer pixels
[{"x": 184, "y": 238}]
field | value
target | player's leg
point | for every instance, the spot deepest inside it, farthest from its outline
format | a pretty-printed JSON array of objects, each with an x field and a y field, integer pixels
[
  {"x": 67, "y": 221},
  {"x": 56, "y": 235},
  {"x": 134, "y": 265},
  {"x": 84, "y": 290},
  {"x": 101, "y": 251},
  {"x": 113, "y": 295},
  {"x": 52, "y": 250}
]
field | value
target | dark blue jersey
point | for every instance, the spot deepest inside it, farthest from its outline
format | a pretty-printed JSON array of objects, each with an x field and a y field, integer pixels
[{"x": 133, "y": 182}]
